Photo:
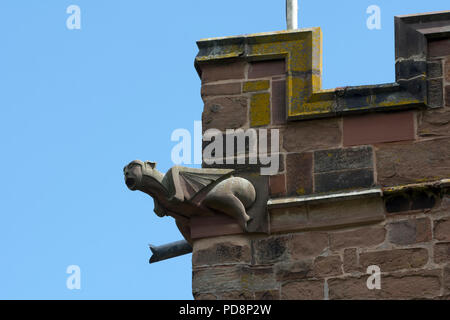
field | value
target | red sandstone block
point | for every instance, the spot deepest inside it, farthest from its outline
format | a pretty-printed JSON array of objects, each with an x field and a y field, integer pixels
[
  {"x": 351, "y": 260},
  {"x": 262, "y": 69},
  {"x": 414, "y": 285},
  {"x": 232, "y": 249},
  {"x": 442, "y": 252},
  {"x": 279, "y": 102},
  {"x": 378, "y": 127},
  {"x": 311, "y": 135},
  {"x": 403, "y": 163},
  {"x": 442, "y": 229},
  {"x": 439, "y": 48},
  {"x": 277, "y": 185},
  {"x": 303, "y": 290},
  {"x": 226, "y": 71},
  {"x": 299, "y": 173},
  {"x": 327, "y": 266},
  {"x": 393, "y": 260},
  {"x": 447, "y": 69},
  {"x": 219, "y": 225},
  {"x": 360, "y": 237},
  {"x": 410, "y": 231},
  {"x": 223, "y": 89}
]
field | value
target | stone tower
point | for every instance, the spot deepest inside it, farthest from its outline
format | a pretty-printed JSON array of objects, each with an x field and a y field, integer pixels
[{"x": 363, "y": 175}]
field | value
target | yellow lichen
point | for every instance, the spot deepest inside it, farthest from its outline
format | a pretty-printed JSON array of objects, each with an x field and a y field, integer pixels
[
  {"x": 260, "y": 109},
  {"x": 253, "y": 86}
]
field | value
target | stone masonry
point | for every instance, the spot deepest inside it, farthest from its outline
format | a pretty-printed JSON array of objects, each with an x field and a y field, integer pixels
[{"x": 388, "y": 143}]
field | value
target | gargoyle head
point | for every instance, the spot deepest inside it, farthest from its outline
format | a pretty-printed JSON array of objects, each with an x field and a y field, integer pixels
[{"x": 135, "y": 170}]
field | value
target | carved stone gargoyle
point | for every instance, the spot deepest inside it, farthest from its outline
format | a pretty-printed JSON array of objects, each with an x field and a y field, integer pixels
[{"x": 185, "y": 192}]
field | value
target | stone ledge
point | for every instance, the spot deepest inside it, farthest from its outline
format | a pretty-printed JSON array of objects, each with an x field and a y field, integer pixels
[
  {"x": 320, "y": 198},
  {"x": 325, "y": 214}
]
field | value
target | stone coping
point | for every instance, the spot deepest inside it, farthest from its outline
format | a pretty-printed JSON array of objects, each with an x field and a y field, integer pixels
[
  {"x": 293, "y": 201},
  {"x": 302, "y": 51}
]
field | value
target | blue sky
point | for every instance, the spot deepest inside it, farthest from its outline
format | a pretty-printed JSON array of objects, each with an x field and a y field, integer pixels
[{"x": 77, "y": 105}]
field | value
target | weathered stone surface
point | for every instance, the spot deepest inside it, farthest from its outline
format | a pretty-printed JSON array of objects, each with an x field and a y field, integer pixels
[
  {"x": 351, "y": 260},
  {"x": 296, "y": 270},
  {"x": 360, "y": 237},
  {"x": 342, "y": 213},
  {"x": 410, "y": 231},
  {"x": 268, "y": 295},
  {"x": 327, "y": 215},
  {"x": 420, "y": 285},
  {"x": 439, "y": 48},
  {"x": 277, "y": 185},
  {"x": 312, "y": 135},
  {"x": 327, "y": 266},
  {"x": 447, "y": 69},
  {"x": 233, "y": 279},
  {"x": 253, "y": 86},
  {"x": 299, "y": 173},
  {"x": 270, "y": 250},
  {"x": 220, "y": 250},
  {"x": 410, "y": 68},
  {"x": 223, "y": 89},
  {"x": 442, "y": 229},
  {"x": 397, "y": 166},
  {"x": 288, "y": 219},
  {"x": 269, "y": 68},
  {"x": 446, "y": 281},
  {"x": 434, "y": 123},
  {"x": 435, "y": 93},
  {"x": 205, "y": 296},
  {"x": 378, "y": 127},
  {"x": 308, "y": 244},
  {"x": 219, "y": 279},
  {"x": 434, "y": 69},
  {"x": 279, "y": 102},
  {"x": 263, "y": 278},
  {"x": 343, "y": 180},
  {"x": 260, "y": 109},
  {"x": 237, "y": 295},
  {"x": 442, "y": 252},
  {"x": 303, "y": 290},
  {"x": 343, "y": 159},
  {"x": 393, "y": 260},
  {"x": 225, "y": 113},
  {"x": 225, "y": 71},
  {"x": 219, "y": 225}
]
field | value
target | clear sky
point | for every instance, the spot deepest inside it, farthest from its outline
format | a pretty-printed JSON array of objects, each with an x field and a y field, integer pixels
[{"x": 78, "y": 105}]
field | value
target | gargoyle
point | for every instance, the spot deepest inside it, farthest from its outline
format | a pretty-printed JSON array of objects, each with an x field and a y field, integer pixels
[{"x": 185, "y": 192}]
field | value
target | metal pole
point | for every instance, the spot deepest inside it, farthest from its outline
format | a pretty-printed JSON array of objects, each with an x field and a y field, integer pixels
[
  {"x": 292, "y": 14},
  {"x": 170, "y": 250}
]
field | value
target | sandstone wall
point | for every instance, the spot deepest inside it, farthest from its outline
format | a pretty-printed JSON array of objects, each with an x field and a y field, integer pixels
[{"x": 320, "y": 248}]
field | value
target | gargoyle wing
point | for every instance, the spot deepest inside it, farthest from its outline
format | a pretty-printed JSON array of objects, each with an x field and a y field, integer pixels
[{"x": 193, "y": 182}]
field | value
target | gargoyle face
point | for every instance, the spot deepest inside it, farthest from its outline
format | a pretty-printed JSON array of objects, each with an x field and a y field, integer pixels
[{"x": 134, "y": 172}]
